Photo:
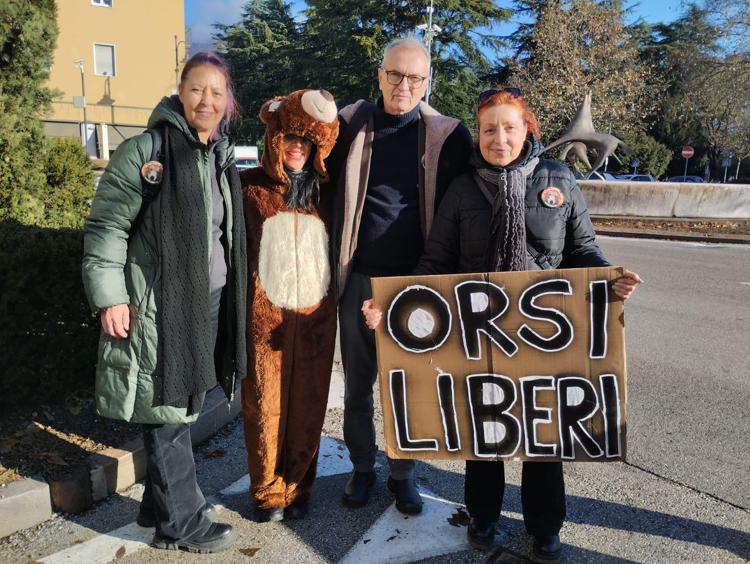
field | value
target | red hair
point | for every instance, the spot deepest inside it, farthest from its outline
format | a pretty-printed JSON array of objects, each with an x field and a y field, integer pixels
[{"x": 504, "y": 97}]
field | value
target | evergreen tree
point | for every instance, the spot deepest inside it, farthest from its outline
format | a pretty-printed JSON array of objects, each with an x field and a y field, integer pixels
[
  {"x": 339, "y": 47},
  {"x": 707, "y": 101},
  {"x": 262, "y": 51},
  {"x": 27, "y": 37}
]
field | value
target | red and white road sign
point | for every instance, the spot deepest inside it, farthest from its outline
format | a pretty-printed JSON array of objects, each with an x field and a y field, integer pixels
[{"x": 687, "y": 152}]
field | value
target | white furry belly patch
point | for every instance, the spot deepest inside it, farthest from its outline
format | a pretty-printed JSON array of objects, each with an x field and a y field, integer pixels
[{"x": 293, "y": 264}]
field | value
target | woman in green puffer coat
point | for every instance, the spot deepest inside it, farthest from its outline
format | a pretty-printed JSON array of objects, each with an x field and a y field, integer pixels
[{"x": 164, "y": 267}]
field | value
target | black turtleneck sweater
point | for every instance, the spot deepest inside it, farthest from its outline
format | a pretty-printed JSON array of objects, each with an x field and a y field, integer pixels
[{"x": 390, "y": 238}]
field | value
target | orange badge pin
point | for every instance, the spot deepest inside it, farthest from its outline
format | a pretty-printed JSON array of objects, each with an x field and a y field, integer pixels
[
  {"x": 552, "y": 197},
  {"x": 152, "y": 172}
]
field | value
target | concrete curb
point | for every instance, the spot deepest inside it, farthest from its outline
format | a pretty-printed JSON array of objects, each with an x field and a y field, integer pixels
[
  {"x": 672, "y": 236},
  {"x": 29, "y": 502},
  {"x": 23, "y": 504}
]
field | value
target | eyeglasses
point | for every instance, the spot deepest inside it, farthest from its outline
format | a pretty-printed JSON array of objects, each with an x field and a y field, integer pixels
[
  {"x": 290, "y": 138},
  {"x": 487, "y": 94},
  {"x": 395, "y": 78}
]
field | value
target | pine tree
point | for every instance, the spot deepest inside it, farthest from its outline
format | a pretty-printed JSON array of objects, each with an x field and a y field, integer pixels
[{"x": 262, "y": 52}]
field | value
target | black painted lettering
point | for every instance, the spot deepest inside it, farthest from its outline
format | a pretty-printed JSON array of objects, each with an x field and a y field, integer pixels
[
  {"x": 480, "y": 304},
  {"x": 401, "y": 415},
  {"x": 611, "y": 412},
  {"x": 599, "y": 290},
  {"x": 446, "y": 396},
  {"x": 527, "y": 306},
  {"x": 496, "y": 431},
  {"x": 419, "y": 319},
  {"x": 576, "y": 402},
  {"x": 533, "y": 415}
]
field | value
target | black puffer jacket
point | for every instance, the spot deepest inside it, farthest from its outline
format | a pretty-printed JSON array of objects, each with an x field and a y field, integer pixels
[{"x": 565, "y": 236}]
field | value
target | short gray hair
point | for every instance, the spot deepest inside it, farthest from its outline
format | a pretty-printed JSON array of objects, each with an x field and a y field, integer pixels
[{"x": 408, "y": 41}]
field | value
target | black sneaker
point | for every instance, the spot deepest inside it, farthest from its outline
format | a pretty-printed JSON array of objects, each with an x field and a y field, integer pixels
[
  {"x": 297, "y": 510},
  {"x": 217, "y": 538},
  {"x": 268, "y": 515},
  {"x": 481, "y": 535},
  {"x": 357, "y": 489},
  {"x": 408, "y": 500},
  {"x": 148, "y": 521},
  {"x": 545, "y": 550}
]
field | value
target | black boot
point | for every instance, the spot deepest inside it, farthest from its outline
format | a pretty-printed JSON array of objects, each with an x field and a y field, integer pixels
[
  {"x": 357, "y": 489},
  {"x": 408, "y": 500},
  {"x": 269, "y": 515},
  {"x": 217, "y": 538},
  {"x": 297, "y": 510},
  {"x": 481, "y": 534},
  {"x": 545, "y": 550}
]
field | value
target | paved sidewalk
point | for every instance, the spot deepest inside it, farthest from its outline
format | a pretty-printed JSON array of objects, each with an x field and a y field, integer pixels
[{"x": 616, "y": 513}]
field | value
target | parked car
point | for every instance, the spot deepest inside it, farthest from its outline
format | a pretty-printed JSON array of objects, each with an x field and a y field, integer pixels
[
  {"x": 598, "y": 175},
  {"x": 685, "y": 179},
  {"x": 246, "y": 156},
  {"x": 639, "y": 177}
]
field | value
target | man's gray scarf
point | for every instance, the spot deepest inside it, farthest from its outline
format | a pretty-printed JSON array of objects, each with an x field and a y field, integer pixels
[{"x": 505, "y": 189}]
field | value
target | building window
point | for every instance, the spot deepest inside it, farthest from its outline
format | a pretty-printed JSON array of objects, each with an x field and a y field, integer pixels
[
  {"x": 104, "y": 59},
  {"x": 105, "y": 3}
]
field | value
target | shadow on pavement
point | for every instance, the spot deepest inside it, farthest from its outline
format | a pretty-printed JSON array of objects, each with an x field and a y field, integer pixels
[{"x": 580, "y": 510}]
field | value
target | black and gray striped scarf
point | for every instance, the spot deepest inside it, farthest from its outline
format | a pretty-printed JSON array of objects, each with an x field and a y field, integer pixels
[{"x": 505, "y": 189}]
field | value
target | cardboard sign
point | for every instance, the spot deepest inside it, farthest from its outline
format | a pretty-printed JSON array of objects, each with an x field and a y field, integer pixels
[{"x": 512, "y": 365}]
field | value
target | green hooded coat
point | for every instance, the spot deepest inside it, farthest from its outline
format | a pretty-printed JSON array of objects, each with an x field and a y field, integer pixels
[{"x": 121, "y": 266}]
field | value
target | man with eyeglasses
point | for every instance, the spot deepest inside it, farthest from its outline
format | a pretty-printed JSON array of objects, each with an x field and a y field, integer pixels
[{"x": 394, "y": 159}]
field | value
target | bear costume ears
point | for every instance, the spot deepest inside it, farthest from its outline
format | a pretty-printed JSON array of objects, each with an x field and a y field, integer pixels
[{"x": 311, "y": 114}]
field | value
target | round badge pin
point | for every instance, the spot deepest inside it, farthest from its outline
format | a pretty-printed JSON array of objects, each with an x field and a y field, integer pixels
[
  {"x": 552, "y": 197},
  {"x": 152, "y": 172}
]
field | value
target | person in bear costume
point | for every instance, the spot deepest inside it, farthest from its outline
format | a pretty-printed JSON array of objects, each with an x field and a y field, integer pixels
[{"x": 291, "y": 307}]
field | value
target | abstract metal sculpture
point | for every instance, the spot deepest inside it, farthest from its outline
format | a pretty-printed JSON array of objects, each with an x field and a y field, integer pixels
[{"x": 580, "y": 137}]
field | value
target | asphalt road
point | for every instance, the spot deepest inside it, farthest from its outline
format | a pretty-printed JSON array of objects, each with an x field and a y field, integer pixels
[
  {"x": 682, "y": 496},
  {"x": 688, "y": 347}
]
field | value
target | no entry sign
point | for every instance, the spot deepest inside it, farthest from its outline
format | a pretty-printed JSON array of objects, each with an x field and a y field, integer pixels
[{"x": 687, "y": 152}]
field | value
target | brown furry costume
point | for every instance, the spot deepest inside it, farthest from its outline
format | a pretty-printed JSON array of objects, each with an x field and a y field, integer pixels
[{"x": 292, "y": 312}]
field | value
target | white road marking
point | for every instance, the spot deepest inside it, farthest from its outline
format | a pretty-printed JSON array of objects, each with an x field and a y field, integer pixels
[
  {"x": 104, "y": 548},
  {"x": 336, "y": 390},
  {"x": 745, "y": 283},
  {"x": 400, "y": 538},
  {"x": 332, "y": 460}
]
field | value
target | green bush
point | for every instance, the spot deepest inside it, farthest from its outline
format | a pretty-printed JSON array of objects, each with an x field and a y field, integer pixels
[
  {"x": 70, "y": 184},
  {"x": 48, "y": 337},
  {"x": 654, "y": 156}
]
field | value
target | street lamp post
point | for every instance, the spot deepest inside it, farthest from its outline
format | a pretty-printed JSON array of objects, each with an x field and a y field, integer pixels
[
  {"x": 430, "y": 30},
  {"x": 177, "y": 43},
  {"x": 739, "y": 162},
  {"x": 79, "y": 64}
]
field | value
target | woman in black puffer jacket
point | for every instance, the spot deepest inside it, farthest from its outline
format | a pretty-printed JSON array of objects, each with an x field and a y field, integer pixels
[{"x": 513, "y": 211}]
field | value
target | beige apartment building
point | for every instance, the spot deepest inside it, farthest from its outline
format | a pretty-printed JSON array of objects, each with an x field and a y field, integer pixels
[{"x": 123, "y": 54}]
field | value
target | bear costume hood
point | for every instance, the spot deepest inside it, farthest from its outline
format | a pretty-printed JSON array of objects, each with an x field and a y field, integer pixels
[{"x": 311, "y": 114}]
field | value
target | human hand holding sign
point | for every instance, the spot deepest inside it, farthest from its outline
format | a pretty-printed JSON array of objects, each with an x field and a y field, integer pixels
[
  {"x": 116, "y": 320},
  {"x": 625, "y": 285},
  {"x": 373, "y": 314}
]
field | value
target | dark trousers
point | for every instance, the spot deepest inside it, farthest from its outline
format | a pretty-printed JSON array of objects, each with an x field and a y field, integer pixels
[
  {"x": 171, "y": 493},
  {"x": 360, "y": 373},
  {"x": 542, "y": 494}
]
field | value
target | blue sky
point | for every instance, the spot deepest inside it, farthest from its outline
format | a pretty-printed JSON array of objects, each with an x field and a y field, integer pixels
[{"x": 201, "y": 14}]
